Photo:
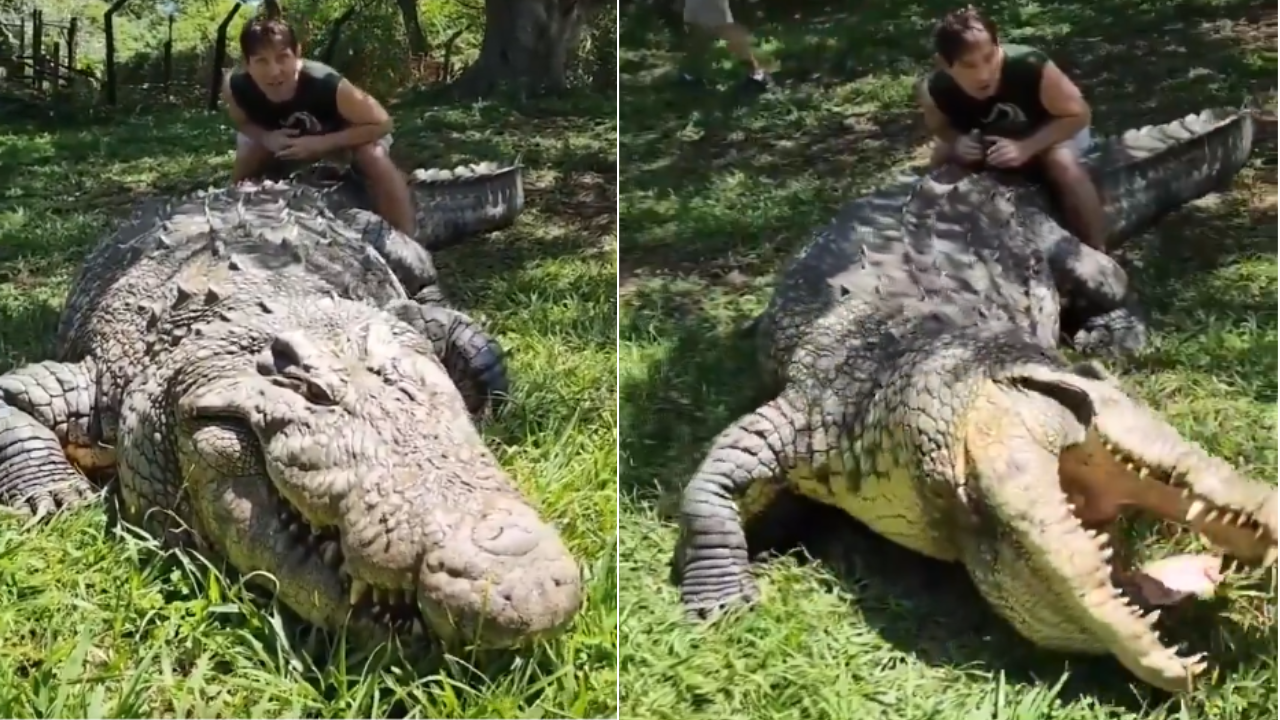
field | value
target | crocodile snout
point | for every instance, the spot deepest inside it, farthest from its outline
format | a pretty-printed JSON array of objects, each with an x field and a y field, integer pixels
[{"x": 500, "y": 579}]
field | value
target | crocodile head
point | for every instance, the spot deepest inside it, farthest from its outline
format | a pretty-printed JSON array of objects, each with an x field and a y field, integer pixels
[
  {"x": 339, "y": 466},
  {"x": 1050, "y": 459}
]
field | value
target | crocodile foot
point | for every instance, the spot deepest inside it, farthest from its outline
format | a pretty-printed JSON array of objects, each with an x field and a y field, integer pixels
[{"x": 1118, "y": 333}]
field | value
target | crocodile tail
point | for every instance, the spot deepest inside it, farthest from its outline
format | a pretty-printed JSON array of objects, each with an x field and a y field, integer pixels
[
  {"x": 453, "y": 205},
  {"x": 1147, "y": 173}
]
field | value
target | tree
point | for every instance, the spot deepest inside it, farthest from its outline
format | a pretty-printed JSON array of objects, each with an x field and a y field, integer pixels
[
  {"x": 413, "y": 26},
  {"x": 530, "y": 44}
]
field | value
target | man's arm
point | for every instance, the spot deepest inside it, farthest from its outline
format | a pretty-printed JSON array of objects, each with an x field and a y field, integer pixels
[
  {"x": 938, "y": 124},
  {"x": 238, "y": 117},
  {"x": 1066, "y": 104},
  {"x": 368, "y": 120}
]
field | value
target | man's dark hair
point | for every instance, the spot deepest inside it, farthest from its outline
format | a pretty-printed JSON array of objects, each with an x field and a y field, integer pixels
[
  {"x": 265, "y": 32},
  {"x": 954, "y": 36}
]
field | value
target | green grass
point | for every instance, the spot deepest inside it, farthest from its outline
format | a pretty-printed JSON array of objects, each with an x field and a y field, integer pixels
[
  {"x": 96, "y": 624},
  {"x": 717, "y": 192}
]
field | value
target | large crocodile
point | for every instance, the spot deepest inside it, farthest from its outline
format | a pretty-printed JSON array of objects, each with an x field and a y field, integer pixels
[
  {"x": 920, "y": 390},
  {"x": 251, "y": 369},
  {"x": 1142, "y": 175}
]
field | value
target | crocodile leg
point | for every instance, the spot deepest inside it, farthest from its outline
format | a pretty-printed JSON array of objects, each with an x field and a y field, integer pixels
[
  {"x": 744, "y": 471},
  {"x": 1101, "y": 315},
  {"x": 45, "y": 411},
  {"x": 473, "y": 359}
]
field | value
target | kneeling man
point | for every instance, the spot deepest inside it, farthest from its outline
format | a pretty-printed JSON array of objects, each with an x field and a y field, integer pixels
[{"x": 285, "y": 107}]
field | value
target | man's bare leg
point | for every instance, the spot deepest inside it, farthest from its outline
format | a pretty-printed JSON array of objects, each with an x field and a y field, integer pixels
[
  {"x": 708, "y": 20},
  {"x": 252, "y": 160},
  {"x": 1080, "y": 200},
  {"x": 388, "y": 188}
]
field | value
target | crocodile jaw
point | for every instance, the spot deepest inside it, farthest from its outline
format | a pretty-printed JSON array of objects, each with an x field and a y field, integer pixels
[{"x": 1041, "y": 478}]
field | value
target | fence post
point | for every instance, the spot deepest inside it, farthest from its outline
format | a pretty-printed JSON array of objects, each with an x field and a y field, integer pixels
[
  {"x": 55, "y": 73},
  {"x": 220, "y": 57},
  {"x": 72, "y": 29},
  {"x": 37, "y": 50},
  {"x": 108, "y": 21},
  {"x": 168, "y": 56}
]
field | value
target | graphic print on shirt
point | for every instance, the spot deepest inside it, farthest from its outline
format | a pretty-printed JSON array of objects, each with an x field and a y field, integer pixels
[
  {"x": 1005, "y": 120},
  {"x": 304, "y": 122}
]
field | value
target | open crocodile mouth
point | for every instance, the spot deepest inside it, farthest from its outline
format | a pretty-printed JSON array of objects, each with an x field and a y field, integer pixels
[
  {"x": 395, "y": 609},
  {"x": 1100, "y": 480}
]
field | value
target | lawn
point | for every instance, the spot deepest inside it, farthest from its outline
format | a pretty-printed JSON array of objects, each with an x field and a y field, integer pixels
[
  {"x": 96, "y": 625},
  {"x": 718, "y": 190}
]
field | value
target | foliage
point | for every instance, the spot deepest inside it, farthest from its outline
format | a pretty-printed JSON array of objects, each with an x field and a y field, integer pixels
[
  {"x": 373, "y": 50},
  {"x": 719, "y": 190}
]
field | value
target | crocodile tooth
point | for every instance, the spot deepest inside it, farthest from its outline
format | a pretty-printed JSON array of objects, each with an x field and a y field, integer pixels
[
  {"x": 1196, "y": 508},
  {"x": 358, "y": 590},
  {"x": 1211, "y": 516},
  {"x": 1270, "y": 557},
  {"x": 1152, "y": 618},
  {"x": 329, "y": 551},
  {"x": 379, "y": 596},
  {"x": 417, "y": 628}
]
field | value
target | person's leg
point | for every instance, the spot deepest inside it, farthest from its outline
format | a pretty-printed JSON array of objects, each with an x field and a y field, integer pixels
[
  {"x": 251, "y": 161},
  {"x": 940, "y": 154},
  {"x": 388, "y": 188},
  {"x": 1076, "y": 191},
  {"x": 711, "y": 19}
]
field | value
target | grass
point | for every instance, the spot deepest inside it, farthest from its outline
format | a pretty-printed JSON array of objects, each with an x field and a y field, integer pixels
[
  {"x": 96, "y": 624},
  {"x": 718, "y": 191}
]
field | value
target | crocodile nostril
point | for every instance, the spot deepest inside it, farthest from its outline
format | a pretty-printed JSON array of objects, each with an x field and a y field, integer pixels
[{"x": 505, "y": 535}]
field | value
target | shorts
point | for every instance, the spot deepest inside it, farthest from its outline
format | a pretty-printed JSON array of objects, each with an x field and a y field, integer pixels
[
  {"x": 243, "y": 142},
  {"x": 708, "y": 13},
  {"x": 1080, "y": 142}
]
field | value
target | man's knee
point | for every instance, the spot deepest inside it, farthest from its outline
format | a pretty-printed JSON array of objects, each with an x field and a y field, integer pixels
[
  {"x": 252, "y": 159},
  {"x": 374, "y": 160},
  {"x": 1062, "y": 164}
]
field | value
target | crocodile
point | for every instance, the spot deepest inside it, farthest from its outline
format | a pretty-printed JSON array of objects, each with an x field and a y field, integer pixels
[
  {"x": 920, "y": 389},
  {"x": 1142, "y": 175},
  {"x": 251, "y": 370},
  {"x": 450, "y": 205}
]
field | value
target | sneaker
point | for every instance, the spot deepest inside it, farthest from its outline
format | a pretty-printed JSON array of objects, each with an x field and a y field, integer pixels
[{"x": 758, "y": 81}]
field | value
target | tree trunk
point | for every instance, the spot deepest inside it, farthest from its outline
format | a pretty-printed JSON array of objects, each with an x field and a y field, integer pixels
[
  {"x": 413, "y": 27},
  {"x": 529, "y": 44}
]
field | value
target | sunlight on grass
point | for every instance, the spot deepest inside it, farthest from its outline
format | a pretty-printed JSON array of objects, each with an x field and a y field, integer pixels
[
  {"x": 719, "y": 190},
  {"x": 99, "y": 623}
]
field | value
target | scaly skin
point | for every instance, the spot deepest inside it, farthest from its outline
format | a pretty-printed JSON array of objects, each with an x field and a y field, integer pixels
[
  {"x": 240, "y": 361},
  {"x": 450, "y": 205},
  {"x": 1142, "y": 175},
  {"x": 933, "y": 406}
]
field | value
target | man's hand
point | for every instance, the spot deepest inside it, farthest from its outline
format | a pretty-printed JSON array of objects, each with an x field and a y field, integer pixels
[
  {"x": 276, "y": 139},
  {"x": 967, "y": 149},
  {"x": 307, "y": 147},
  {"x": 1006, "y": 153}
]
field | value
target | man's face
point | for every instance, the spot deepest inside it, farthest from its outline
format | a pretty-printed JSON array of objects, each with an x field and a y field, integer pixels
[
  {"x": 978, "y": 69},
  {"x": 275, "y": 69}
]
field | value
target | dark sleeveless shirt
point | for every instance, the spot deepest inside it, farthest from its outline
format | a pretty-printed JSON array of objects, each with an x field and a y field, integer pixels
[
  {"x": 1015, "y": 111},
  {"x": 313, "y": 109}
]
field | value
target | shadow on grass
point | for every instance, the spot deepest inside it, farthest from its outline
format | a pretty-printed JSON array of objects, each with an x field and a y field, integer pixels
[
  {"x": 843, "y": 114},
  {"x": 691, "y": 275}
]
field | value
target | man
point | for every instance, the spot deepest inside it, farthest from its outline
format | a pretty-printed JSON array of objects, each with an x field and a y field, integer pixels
[
  {"x": 285, "y": 107},
  {"x": 709, "y": 20},
  {"x": 1027, "y": 112}
]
